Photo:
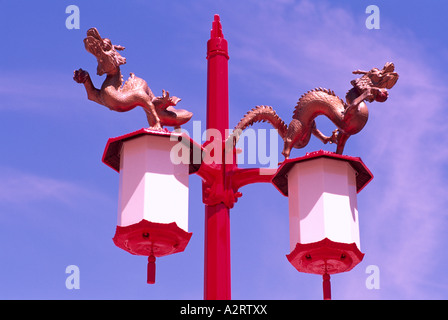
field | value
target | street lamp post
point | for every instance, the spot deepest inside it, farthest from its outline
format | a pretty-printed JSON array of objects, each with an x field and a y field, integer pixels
[
  {"x": 217, "y": 219},
  {"x": 222, "y": 180},
  {"x": 321, "y": 186}
]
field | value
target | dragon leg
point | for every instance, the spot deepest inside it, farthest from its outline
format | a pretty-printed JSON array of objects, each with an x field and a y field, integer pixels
[
  {"x": 291, "y": 137},
  {"x": 342, "y": 139},
  {"x": 317, "y": 133},
  {"x": 151, "y": 115}
]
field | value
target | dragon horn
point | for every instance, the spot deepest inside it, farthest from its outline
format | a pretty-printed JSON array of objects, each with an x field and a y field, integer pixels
[
  {"x": 119, "y": 48},
  {"x": 93, "y": 32}
]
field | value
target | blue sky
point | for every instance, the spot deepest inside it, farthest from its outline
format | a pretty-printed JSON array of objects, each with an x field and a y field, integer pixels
[{"x": 58, "y": 201}]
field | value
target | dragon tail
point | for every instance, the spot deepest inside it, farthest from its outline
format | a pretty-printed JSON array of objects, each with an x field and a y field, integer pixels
[
  {"x": 321, "y": 96},
  {"x": 260, "y": 114}
]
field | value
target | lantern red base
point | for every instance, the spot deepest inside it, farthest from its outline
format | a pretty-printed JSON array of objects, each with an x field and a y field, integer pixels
[
  {"x": 147, "y": 238},
  {"x": 151, "y": 239},
  {"x": 325, "y": 256}
]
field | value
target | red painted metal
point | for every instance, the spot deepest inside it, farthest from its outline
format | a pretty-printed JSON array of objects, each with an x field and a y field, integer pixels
[
  {"x": 326, "y": 286},
  {"x": 217, "y": 282},
  {"x": 325, "y": 256},
  {"x": 217, "y": 219},
  {"x": 147, "y": 238},
  {"x": 151, "y": 270},
  {"x": 222, "y": 180}
]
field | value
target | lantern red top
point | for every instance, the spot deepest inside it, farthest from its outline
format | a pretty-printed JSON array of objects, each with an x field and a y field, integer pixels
[
  {"x": 363, "y": 174},
  {"x": 111, "y": 155}
]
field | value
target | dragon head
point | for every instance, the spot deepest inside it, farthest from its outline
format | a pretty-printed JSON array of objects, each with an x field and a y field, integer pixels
[
  {"x": 376, "y": 81},
  {"x": 105, "y": 52}
]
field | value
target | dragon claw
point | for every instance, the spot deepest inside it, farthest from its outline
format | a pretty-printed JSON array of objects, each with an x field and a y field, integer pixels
[
  {"x": 334, "y": 136},
  {"x": 157, "y": 127},
  {"x": 80, "y": 75}
]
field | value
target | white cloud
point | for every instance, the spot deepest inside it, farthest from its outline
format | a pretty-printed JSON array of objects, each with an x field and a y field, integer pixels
[
  {"x": 408, "y": 150},
  {"x": 21, "y": 188},
  {"x": 38, "y": 91}
]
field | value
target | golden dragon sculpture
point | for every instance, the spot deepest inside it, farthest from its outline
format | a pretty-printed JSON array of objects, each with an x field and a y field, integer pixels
[
  {"x": 134, "y": 92},
  {"x": 349, "y": 116}
]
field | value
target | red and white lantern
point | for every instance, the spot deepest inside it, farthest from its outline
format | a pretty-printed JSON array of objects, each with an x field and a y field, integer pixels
[
  {"x": 153, "y": 194},
  {"x": 322, "y": 189}
]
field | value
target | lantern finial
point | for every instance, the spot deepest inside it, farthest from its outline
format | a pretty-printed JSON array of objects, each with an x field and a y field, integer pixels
[
  {"x": 326, "y": 285},
  {"x": 216, "y": 31},
  {"x": 151, "y": 274}
]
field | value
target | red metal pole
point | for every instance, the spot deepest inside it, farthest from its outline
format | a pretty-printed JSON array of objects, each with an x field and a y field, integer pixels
[{"x": 217, "y": 219}]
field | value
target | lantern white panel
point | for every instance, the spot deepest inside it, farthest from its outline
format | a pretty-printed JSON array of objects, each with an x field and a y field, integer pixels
[
  {"x": 151, "y": 186},
  {"x": 322, "y": 202}
]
